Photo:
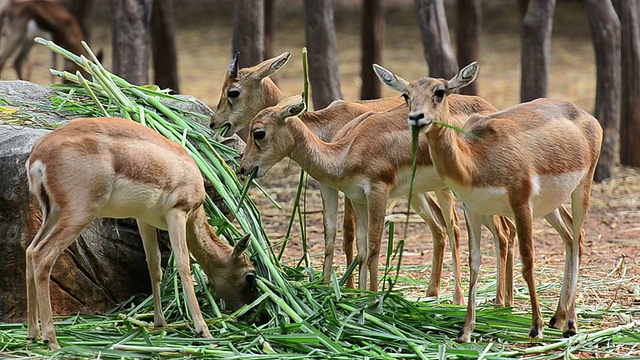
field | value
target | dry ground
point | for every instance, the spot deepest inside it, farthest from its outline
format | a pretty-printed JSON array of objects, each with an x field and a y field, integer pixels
[{"x": 613, "y": 225}]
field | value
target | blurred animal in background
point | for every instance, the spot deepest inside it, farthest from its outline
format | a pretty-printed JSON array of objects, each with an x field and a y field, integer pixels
[{"x": 22, "y": 20}]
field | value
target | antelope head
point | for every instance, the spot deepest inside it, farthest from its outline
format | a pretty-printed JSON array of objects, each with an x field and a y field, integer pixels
[
  {"x": 244, "y": 93},
  {"x": 270, "y": 140},
  {"x": 426, "y": 97}
]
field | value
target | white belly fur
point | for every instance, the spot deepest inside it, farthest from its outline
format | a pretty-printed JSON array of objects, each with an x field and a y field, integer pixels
[
  {"x": 133, "y": 200},
  {"x": 426, "y": 179},
  {"x": 549, "y": 192}
]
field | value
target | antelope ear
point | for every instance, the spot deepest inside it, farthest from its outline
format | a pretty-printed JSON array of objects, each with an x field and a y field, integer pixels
[
  {"x": 390, "y": 79},
  {"x": 465, "y": 77},
  {"x": 270, "y": 66},
  {"x": 241, "y": 246},
  {"x": 291, "y": 106}
]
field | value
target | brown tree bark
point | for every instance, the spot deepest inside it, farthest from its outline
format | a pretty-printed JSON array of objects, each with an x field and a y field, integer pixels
[
  {"x": 435, "y": 38},
  {"x": 130, "y": 39},
  {"x": 628, "y": 11},
  {"x": 468, "y": 37},
  {"x": 536, "y": 45},
  {"x": 163, "y": 46},
  {"x": 605, "y": 31},
  {"x": 322, "y": 47},
  {"x": 372, "y": 37},
  {"x": 270, "y": 21},
  {"x": 248, "y": 31}
]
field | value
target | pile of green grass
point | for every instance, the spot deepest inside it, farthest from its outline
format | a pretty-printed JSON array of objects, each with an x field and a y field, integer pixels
[{"x": 295, "y": 316}]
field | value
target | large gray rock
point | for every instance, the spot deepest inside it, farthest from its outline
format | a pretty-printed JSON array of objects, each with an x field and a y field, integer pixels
[{"x": 105, "y": 266}]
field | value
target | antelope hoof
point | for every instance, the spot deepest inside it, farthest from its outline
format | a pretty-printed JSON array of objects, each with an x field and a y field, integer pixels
[
  {"x": 535, "y": 333},
  {"x": 463, "y": 337},
  {"x": 555, "y": 323},
  {"x": 204, "y": 333},
  {"x": 570, "y": 330}
]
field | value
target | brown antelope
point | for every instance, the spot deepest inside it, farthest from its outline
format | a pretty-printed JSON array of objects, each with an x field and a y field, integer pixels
[
  {"x": 246, "y": 91},
  {"x": 106, "y": 167},
  {"x": 17, "y": 21},
  {"x": 366, "y": 164},
  {"x": 522, "y": 162}
]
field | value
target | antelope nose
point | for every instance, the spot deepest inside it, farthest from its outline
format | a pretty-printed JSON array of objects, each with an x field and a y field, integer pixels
[{"x": 415, "y": 118}]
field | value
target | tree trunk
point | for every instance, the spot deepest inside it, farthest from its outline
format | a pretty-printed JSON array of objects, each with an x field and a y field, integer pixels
[
  {"x": 468, "y": 37},
  {"x": 605, "y": 31},
  {"x": 322, "y": 45},
  {"x": 130, "y": 30},
  {"x": 163, "y": 45},
  {"x": 628, "y": 11},
  {"x": 523, "y": 5},
  {"x": 270, "y": 21},
  {"x": 536, "y": 45},
  {"x": 435, "y": 38},
  {"x": 248, "y": 31},
  {"x": 372, "y": 38},
  {"x": 83, "y": 11}
]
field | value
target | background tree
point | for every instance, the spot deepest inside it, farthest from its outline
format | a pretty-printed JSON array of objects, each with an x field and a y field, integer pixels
[
  {"x": 605, "y": 31},
  {"x": 435, "y": 38},
  {"x": 130, "y": 39},
  {"x": 322, "y": 45},
  {"x": 248, "y": 31},
  {"x": 163, "y": 45},
  {"x": 270, "y": 21},
  {"x": 83, "y": 11},
  {"x": 468, "y": 37},
  {"x": 371, "y": 43},
  {"x": 628, "y": 11},
  {"x": 536, "y": 46}
]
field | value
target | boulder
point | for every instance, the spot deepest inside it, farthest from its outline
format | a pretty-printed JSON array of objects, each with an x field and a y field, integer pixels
[{"x": 105, "y": 265}]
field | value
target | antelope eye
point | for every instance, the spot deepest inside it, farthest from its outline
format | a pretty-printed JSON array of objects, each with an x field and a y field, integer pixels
[
  {"x": 405, "y": 97},
  {"x": 233, "y": 93},
  {"x": 259, "y": 134}
]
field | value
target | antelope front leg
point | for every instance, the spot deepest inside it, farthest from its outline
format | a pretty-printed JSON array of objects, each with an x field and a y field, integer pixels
[
  {"x": 152, "y": 250},
  {"x": 176, "y": 221},
  {"x": 329, "y": 220},
  {"x": 377, "y": 204},
  {"x": 430, "y": 212},
  {"x": 445, "y": 200},
  {"x": 474, "y": 222},
  {"x": 362, "y": 224},
  {"x": 348, "y": 235}
]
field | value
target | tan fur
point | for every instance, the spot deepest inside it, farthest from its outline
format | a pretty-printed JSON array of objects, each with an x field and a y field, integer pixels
[
  {"x": 365, "y": 162},
  {"x": 524, "y": 161},
  {"x": 50, "y": 17},
  {"x": 107, "y": 167}
]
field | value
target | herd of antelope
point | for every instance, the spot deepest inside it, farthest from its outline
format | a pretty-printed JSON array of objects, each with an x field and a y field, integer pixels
[{"x": 505, "y": 167}]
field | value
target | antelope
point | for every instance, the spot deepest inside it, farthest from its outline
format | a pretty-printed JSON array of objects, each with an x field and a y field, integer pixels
[
  {"x": 364, "y": 162},
  {"x": 522, "y": 162},
  {"x": 246, "y": 91},
  {"x": 19, "y": 20},
  {"x": 116, "y": 168}
]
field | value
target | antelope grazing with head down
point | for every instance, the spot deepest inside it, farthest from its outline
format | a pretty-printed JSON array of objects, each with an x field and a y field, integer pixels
[
  {"x": 247, "y": 91},
  {"x": 116, "y": 168},
  {"x": 370, "y": 161},
  {"x": 20, "y": 21},
  {"x": 522, "y": 162}
]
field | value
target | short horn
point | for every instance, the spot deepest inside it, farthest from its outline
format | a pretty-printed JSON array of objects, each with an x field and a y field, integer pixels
[{"x": 233, "y": 67}]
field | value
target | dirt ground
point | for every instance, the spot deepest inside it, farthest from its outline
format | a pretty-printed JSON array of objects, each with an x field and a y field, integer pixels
[{"x": 613, "y": 224}]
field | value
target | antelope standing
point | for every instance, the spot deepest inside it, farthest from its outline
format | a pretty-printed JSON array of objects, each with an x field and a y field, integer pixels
[
  {"x": 246, "y": 91},
  {"x": 369, "y": 162},
  {"x": 106, "y": 167},
  {"x": 521, "y": 162},
  {"x": 17, "y": 21}
]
